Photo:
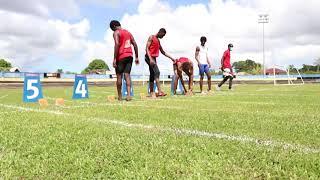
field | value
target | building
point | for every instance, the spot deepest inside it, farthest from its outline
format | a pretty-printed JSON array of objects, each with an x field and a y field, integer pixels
[{"x": 276, "y": 70}]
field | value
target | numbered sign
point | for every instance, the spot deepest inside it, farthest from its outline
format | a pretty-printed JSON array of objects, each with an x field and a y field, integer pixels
[
  {"x": 32, "y": 89},
  {"x": 179, "y": 86},
  {"x": 155, "y": 88},
  {"x": 124, "y": 88},
  {"x": 80, "y": 87}
]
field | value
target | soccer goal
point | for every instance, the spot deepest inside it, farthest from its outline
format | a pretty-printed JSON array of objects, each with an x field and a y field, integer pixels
[{"x": 284, "y": 76}]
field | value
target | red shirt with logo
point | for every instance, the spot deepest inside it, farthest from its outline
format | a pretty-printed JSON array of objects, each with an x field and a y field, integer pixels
[
  {"x": 154, "y": 48},
  {"x": 125, "y": 49},
  {"x": 226, "y": 59}
]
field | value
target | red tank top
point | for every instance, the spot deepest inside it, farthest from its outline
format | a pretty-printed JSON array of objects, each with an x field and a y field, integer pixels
[
  {"x": 182, "y": 60},
  {"x": 125, "y": 49},
  {"x": 154, "y": 47}
]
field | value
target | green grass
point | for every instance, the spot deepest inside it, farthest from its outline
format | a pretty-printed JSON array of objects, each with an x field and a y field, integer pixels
[{"x": 140, "y": 139}]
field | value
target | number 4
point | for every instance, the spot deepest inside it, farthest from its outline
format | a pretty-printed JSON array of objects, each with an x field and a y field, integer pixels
[{"x": 81, "y": 89}]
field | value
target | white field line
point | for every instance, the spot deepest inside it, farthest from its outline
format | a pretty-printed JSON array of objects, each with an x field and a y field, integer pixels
[
  {"x": 31, "y": 109},
  {"x": 2, "y": 113},
  {"x": 4, "y": 96},
  {"x": 189, "y": 132}
]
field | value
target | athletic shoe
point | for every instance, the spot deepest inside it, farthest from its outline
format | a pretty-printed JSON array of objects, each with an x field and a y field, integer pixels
[{"x": 218, "y": 88}]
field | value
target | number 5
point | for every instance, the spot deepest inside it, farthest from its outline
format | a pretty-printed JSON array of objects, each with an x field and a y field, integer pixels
[{"x": 35, "y": 89}]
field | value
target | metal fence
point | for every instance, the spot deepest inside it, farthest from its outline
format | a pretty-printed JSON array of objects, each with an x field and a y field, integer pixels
[{"x": 164, "y": 76}]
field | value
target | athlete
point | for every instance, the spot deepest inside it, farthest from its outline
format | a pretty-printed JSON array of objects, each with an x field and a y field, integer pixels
[
  {"x": 183, "y": 65},
  {"x": 123, "y": 56},
  {"x": 226, "y": 68},
  {"x": 201, "y": 56},
  {"x": 152, "y": 52}
]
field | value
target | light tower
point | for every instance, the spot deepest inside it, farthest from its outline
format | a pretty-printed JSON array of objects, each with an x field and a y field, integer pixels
[{"x": 263, "y": 19}]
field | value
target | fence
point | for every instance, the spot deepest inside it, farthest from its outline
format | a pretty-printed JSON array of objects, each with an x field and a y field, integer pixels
[{"x": 163, "y": 77}]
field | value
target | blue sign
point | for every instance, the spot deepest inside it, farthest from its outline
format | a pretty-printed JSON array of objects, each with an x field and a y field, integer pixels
[
  {"x": 80, "y": 87},
  {"x": 155, "y": 88},
  {"x": 124, "y": 87},
  {"x": 180, "y": 89},
  {"x": 32, "y": 89}
]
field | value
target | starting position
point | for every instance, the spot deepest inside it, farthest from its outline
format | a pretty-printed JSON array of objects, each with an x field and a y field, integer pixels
[{"x": 183, "y": 65}]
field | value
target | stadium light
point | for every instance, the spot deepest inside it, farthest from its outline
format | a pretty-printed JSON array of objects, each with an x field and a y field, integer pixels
[{"x": 263, "y": 19}]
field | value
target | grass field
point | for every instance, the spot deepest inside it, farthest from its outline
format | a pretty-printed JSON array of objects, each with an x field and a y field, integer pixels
[{"x": 256, "y": 131}]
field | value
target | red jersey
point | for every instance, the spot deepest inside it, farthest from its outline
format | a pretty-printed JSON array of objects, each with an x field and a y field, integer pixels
[
  {"x": 182, "y": 60},
  {"x": 125, "y": 49},
  {"x": 154, "y": 47},
  {"x": 226, "y": 59}
]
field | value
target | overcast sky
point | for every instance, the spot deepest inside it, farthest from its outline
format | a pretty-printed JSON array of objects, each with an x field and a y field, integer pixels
[{"x": 44, "y": 35}]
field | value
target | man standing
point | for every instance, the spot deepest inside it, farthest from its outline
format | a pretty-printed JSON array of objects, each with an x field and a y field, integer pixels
[
  {"x": 183, "y": 65},
  {"x": 201, "y": 56},
  {"x": 152, "y": 52},
  {"x": 123, "y": 56},
  {"x": 226, "y": 68}
]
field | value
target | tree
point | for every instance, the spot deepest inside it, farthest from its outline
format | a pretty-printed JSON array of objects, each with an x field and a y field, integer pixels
[
  {"x": 248, "y": 66},
  {"x": 291, "y": 69},
  {"x": 317, "y": 63},
  {"x": 5, "y": 65},
  {"x": 60, "y": 71},
  {"x": 96, "y": 64}
]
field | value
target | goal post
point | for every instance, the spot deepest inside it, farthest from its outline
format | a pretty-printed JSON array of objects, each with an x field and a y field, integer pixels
[{"x": 282, "y": 76}]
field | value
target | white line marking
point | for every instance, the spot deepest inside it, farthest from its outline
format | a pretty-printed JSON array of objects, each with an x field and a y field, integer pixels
[
  {"x": 3, "y": 113},
  {"x": 4, "y": 96},
  {"x": 242, "y": 139},
  {"x": 31, "y": 109}
]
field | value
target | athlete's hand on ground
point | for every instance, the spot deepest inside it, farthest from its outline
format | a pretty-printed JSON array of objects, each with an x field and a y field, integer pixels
[
  {"x": 137, "y": 61},
  {"x": 114, "y": 63}
]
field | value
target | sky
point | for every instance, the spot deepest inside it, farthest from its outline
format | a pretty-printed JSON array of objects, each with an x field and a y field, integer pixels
[{"x": 46, "y": 35}]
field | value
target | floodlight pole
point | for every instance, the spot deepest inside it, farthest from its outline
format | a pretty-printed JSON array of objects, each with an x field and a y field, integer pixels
[{"x": 263, "y": 19}]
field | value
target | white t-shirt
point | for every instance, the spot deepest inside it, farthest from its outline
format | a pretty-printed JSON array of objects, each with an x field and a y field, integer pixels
[{"x": 203, "y": 54}]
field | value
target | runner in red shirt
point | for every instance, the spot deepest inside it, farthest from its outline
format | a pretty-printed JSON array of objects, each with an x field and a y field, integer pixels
[
  {"x": 183, "y": 65},
  {"x": 123, "y": 56},
  {"x": 226, "y": 68},
  {"x": 152, "y": 52}
]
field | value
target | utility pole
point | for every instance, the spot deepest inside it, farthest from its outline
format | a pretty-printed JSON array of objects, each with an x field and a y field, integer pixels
[{"x": 263, "y": 19}]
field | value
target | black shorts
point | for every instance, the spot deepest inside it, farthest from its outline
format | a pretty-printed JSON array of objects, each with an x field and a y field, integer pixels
[
  {"x": 124, "y": 65},
  {"x": 154, "y": 70}
]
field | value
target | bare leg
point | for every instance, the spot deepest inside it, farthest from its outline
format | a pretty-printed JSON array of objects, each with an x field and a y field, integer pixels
[
  {"x": 209, "y": 81},
  {"x": 176, "y": 79},
  {"x": 201, "y": 82},
  {"x": 119, "y": 86},
  {"x": 158, "y": 84},
  {"x": 128, "y": 83}
]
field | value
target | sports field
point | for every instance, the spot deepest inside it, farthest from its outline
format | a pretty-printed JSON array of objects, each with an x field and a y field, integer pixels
[{"x": 256, "y": 131}]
